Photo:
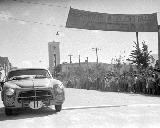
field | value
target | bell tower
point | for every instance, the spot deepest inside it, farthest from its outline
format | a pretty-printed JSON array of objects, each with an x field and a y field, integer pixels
[{"x": 54, "y": 55}]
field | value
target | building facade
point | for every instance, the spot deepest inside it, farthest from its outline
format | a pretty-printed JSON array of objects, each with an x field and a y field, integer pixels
[
  {"x": 54, "y": 55},
  {"x": 5, "y": 65}
]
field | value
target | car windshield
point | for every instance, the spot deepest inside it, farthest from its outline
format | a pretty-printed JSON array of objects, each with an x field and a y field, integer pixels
[{"x": 28, "y": 73}]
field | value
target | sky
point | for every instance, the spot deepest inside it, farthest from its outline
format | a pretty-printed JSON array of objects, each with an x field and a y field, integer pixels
[{"x": 27, "y": 26}]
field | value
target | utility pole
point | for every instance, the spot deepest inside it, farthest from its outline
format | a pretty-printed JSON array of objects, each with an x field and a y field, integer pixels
[
  {"x": 137, "y": 40},
  {"x": 96, "y": 49},
  {"x": 79, "y": 60},
  {"x": 159, "y": 46},
  {"x": 70, "y": 58},
  {"x": 87, "y": 59},
  {"x": 87, "y": 74}
]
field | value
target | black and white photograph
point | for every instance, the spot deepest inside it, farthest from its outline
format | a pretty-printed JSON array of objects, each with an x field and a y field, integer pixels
[{"x": 79, "y": 63}]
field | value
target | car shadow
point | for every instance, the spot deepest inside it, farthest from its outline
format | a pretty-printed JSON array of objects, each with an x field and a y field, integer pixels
[
  {"x": 26, "y": 113},
  {"x": 92, "y": 107}
]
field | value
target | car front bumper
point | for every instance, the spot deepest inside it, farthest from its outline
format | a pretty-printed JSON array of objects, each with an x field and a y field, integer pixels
[{"x": 24, "y": 97}]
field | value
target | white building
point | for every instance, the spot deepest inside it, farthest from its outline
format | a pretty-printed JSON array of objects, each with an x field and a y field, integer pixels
[{"x": 54, "y": 55}]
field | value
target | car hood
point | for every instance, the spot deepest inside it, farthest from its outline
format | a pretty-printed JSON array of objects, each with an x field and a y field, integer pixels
[{"x": 30, "y": 83}]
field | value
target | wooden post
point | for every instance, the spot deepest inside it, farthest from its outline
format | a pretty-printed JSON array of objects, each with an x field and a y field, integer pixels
[
  {"x": 159, "y": 46},
  {"x": 70, "y": 58},
  {"x": 79, "y": 60},
  {"x": 137, "y": 40},
  {"x": 139, "y": 68}
]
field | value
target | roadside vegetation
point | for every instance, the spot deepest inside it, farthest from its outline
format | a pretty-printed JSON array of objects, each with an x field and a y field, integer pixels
[{"x": 140, "y": 77}]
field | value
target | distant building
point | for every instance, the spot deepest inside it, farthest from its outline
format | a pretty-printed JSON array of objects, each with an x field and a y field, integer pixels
[
  {"x": 5, "y": 65},
  {"x": 54, "y": 55}
]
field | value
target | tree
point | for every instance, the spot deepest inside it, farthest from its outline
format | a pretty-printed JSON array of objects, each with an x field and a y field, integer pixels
[
  {"x": 140, "y": 56},
  {"x": 57, "y": 70},
  {"x": 118, "y": 63},
  {"x": 131, "y": 68},
  {"x": 146, "y": 57}
]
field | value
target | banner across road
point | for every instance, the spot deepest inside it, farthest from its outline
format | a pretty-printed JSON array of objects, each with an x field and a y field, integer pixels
[{"x": 112, "y": 22}]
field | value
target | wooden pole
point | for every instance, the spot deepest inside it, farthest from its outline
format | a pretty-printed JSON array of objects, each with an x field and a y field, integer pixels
[
  {"x": 139, "y": 68},
  {"x": 137, "y": 40},
  {"x": 159, "y": 46},
  {"x": 97, "y": 54},
  {"x": 70, "y": 58},
  {"x": 79, "y": 60}
]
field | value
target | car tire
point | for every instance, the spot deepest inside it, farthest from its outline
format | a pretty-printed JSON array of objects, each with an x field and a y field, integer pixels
[
  {"x": 8, "y": 111},
  {"x": 58, "y": 108}
]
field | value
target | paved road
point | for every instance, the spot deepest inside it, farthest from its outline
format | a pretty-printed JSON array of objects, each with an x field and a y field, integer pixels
[{"x": 91, "y": 109}]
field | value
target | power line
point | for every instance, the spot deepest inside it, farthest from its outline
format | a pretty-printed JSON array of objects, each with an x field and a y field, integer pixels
[
  {"x": 29, "y": 21},
  {"x": 36, "y": 22},
  {"x": 28, "y": 2}
]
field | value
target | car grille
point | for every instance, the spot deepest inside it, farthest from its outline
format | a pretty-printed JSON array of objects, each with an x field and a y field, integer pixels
[{"x": 33, "y": 95}]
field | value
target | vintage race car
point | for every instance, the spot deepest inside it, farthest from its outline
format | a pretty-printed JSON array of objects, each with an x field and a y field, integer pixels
[{"x": 31, "y": 88}]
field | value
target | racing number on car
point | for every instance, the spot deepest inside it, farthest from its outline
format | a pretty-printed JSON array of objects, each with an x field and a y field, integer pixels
[{"x": 36, "y": 104}]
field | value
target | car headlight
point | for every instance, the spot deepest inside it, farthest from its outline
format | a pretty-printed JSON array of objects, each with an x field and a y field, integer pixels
[
  {"x": 59, "y": 88},
  {"x": 9, "y": 92}
]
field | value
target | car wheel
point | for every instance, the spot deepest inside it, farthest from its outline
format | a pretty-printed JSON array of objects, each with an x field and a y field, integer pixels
[
  {"x": 58, "y": 108},
  {"x": 8, "y": 111}
]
